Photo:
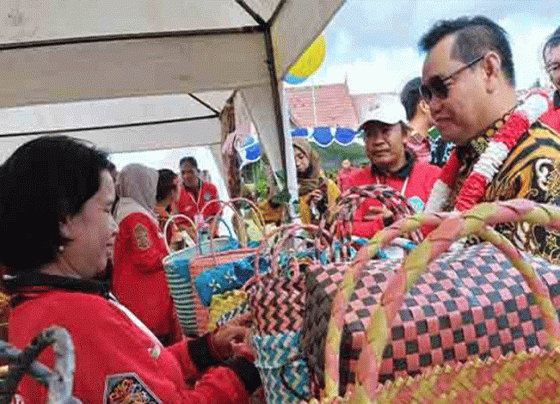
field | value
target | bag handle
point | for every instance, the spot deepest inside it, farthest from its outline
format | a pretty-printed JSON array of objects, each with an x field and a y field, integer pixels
[
  {"x": 349, "y": 201},
  {"x": 231, "y": 204},
  {"x": 287, "y": 232},
  {"x": 475, "y": 221},
  {"x": 171, "y": 220},
  {"x": 354, "y": 270}
]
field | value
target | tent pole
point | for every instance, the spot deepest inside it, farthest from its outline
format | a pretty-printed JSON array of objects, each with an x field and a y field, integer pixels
[
  {"x": 269, "y": 48},
  {"x": 275, "y": 96}
]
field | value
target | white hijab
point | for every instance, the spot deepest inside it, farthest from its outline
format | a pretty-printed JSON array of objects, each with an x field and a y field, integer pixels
[{"x": 136, "y": 188}]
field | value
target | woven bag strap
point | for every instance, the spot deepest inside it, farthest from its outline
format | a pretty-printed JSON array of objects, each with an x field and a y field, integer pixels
[
  {"x": 168, "y": 223},
  {"x": 346, "y": 288},
  {"x": 351, "y": 199},
  {"x": 231, "y": 204},
  {"x": 285, "y": 233},
  {"x": 476, "y": 221}
]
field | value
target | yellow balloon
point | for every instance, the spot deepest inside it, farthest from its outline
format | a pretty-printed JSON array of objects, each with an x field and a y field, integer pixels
[{"x": 311, "y": 59}]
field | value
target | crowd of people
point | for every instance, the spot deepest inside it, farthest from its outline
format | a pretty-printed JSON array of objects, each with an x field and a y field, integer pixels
[{"x": 83, "y": 245}]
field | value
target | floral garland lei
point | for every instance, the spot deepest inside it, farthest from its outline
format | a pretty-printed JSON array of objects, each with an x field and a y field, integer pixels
[{"x": 490, "y": 161}]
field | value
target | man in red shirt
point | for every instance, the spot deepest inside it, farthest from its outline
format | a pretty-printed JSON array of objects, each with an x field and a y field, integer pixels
[
  {"x": 344, "y": 175},
  {"x": 196, "y": 194},
  {"x": 392, "y": 164}
]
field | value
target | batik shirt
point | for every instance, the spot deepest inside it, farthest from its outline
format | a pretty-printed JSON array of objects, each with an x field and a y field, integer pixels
[{"x": 530, "y": 171}]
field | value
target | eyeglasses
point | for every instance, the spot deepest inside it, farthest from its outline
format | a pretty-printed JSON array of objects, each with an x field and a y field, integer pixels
[
  {"x": 437, "y": 86},
  {"x": 552, "y": 67}
]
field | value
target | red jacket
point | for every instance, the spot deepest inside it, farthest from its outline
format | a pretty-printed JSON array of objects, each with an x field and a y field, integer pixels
[
  {"x": 421, "y": 179},
  {"x": 552, "y": 116},
  {"x": 139, "y": 280},
  {"x": 115, "y": 359},
  {"x": 188, "y": 206}
]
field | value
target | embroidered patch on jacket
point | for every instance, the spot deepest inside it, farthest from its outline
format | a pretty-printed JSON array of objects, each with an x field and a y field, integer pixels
[
  {"x": 141, "y": 235},
  {"x": 127, "y": 388}
]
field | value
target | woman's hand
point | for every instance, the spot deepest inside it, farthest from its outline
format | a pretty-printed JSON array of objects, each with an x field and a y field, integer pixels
[
  {"x": 314, "y": 196},
  {"x": 233, "y": 339}
]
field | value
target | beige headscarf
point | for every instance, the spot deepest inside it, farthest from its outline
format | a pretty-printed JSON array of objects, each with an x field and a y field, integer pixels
[
  {"x": 312, "y": 178},
  {"x": 136, "y": 188}
]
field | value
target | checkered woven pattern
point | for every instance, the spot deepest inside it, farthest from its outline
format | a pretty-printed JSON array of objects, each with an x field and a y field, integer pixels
[
  {"x": 472, "y": 302},
  {"x": 281, "y": 366}
]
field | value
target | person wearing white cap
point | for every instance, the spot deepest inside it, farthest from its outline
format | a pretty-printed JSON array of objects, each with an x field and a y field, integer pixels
[{"x": 391, "y": 164}]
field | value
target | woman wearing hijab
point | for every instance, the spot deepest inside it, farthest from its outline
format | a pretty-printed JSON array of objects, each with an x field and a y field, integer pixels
[
  {"x": 317, "y": 193},
  {"x": 139, "y": 280}
]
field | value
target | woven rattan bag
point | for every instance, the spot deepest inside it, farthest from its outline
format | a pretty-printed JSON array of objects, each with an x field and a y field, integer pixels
[
  {"x": 521, "y": 377},
  {"x": 277, "y": 304},
  {"x": 184, "y": 266}
]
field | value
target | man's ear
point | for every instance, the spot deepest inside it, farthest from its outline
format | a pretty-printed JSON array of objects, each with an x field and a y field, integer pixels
[
  {"x": 492, "y": 68},
  {"x": 405, "y": 131},
  {"x": 423, "y": 107}
]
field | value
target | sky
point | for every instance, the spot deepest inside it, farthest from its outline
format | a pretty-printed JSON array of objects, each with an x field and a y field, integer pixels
[{"x": 374, "y": 42}]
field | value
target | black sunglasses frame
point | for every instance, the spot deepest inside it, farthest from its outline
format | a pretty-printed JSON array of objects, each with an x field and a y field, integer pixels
[{"x": 437, "y": 86}]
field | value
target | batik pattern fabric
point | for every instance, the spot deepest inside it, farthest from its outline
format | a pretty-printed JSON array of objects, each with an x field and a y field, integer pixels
[{"x": 531, "y": 171}]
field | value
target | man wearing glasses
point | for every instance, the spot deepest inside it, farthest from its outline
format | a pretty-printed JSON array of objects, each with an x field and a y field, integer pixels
[
  {"x": 468, "y": 82},
  {"x": 551, "y": 56}
]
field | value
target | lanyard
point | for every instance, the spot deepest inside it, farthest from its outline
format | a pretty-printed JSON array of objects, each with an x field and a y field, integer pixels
[{"x": 403, "y": 187}]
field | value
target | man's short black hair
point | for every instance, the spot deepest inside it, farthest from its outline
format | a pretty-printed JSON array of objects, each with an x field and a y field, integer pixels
[
  {"x": 189, "y": 159},
  {"x": 410, "y": 97},
  {"x": 42, "y": 183},
  {"x": 552, "y": 42},
  {"x": 474, "y": 36}
]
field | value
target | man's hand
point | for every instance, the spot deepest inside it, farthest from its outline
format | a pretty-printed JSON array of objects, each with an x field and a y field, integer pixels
[{"x": 375, "y": 212}]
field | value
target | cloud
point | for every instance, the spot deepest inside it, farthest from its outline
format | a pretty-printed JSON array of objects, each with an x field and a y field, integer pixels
[{"x": 374, "y": 42}]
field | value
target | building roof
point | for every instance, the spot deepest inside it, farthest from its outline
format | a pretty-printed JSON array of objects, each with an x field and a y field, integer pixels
[{"x": 322, "y": 105}]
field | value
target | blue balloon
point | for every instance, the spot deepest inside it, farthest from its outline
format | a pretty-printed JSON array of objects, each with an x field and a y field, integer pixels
[{"x": 293, "y": 80}]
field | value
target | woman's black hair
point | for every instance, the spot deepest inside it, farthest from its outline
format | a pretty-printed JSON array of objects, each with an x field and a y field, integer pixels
[
  {"x": 165, "y": 183},
  {"x": 42, "y": 183}
]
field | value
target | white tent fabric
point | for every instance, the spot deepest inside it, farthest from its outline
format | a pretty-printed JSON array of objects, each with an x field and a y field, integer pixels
[{"x": 148, "y": 74}]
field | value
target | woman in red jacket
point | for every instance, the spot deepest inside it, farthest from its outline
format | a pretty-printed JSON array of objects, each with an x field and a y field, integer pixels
[
  {"x": 139, "y": 280},
  {"x": 56, "y": 195}
]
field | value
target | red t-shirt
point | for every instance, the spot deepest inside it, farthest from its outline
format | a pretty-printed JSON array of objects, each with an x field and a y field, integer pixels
[
  {"x": 190, "y": 205},
  {"x": 552, "y": 116},
  {"x": 418, "y": 187}
]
